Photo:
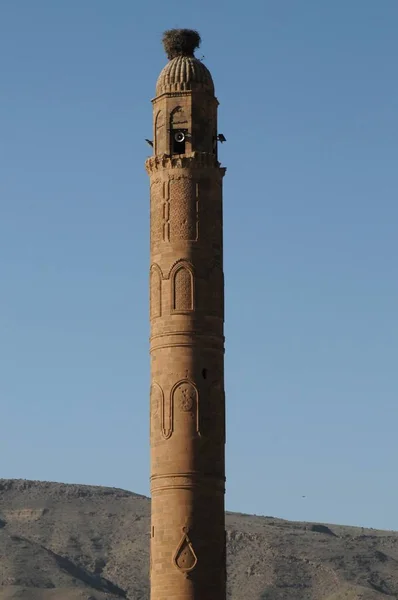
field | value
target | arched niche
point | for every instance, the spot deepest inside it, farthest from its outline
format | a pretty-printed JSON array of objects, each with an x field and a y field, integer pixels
[
  {"x": 155, "y": 293},
  {"x": 185, "y": 408},
  {"x": 182, "y": 288},
  {"x": 160, "y": 133},
  {"x": 156, "y": 407}
]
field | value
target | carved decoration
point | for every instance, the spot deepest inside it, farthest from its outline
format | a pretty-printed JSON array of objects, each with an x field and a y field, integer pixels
[
  {"x": 187, "y": 399},
  {"x": 185, "y": 407},
  {"x": 181, "y": 262},
  {"x": 213, "y": 343},
  {"x": 156, "y": 210},
  {"x": 183, "y": 209},
  {"x": 184, "y": 557},
  {"x": 156, "y": 403},
  {"x": 178, "y": 118},
  {"x": 166, "y": 211},
  {"x": 182, "y": 288},
  {"x": 155, "y": 301},
  {"x": 186, "y": 481},
  {"x": 191, "y": 161},
  {"x": 167, "y": 419}
]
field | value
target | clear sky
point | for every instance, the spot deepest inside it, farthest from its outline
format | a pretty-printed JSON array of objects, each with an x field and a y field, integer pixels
[{"x": 309, "y": 97}]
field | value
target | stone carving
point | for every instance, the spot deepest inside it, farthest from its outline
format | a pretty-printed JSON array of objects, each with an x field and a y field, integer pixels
[
  {"x": 187, "y": 348},
  {"x": 156, "y": 403},
  {"x": 156, "y": 399},
  {"x": 166, "y": 211},
  {"x": 167, "y": 419},
  {"x": 178, "y": 118},
  {"x": 187, "y": 400},
  {"x": 182, "y": 289},
  {"x": 184, "y": 400},
  {"x": 155, "y": 300},
  {"x": 185, "y": 558},
  {"x": 186, "y": 481},
  {"x": 183, "y": 210},
  {"x": 197, "y": 160},
  {"x": 156, "y": 210}
]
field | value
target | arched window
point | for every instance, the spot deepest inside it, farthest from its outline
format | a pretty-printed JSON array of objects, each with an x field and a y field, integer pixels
[
  {"x": 178, "y": 130},
  {"x": 160, "y": 134}
]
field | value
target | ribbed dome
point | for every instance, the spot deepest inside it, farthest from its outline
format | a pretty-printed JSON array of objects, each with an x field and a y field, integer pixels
[{"x": 184, "y": 73}]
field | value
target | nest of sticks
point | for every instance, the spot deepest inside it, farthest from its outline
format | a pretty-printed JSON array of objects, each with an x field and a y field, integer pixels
[{"x": 180, "y": 42}]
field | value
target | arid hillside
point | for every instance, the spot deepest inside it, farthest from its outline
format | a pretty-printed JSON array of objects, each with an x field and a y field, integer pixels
[{"x": 76, "y": 542}]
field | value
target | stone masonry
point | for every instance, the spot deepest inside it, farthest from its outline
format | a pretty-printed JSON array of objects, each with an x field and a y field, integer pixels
[{"x": 187, "y": 401}]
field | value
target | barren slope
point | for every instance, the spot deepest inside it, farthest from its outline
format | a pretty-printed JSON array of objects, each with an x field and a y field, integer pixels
[{"x": 75, "y": 542}]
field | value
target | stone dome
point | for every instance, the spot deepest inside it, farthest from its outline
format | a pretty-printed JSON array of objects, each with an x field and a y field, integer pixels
[{"x": 184, "y": 73}]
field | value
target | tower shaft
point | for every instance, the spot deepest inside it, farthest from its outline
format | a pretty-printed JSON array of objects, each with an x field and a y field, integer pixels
[{"x": 187, "y": 401}]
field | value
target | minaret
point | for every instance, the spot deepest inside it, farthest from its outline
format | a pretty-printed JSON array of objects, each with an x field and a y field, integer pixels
[{"x": 187, "y": 413}]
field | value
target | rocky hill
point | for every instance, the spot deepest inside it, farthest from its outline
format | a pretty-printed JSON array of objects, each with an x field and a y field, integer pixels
[{"x": 76, "y": 542}]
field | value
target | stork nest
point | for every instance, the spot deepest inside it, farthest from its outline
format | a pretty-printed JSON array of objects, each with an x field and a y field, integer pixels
[{"x": 180, "y": 42}]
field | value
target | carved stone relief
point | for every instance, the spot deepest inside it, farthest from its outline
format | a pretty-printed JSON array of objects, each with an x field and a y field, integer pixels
[
  {"x": 179, "y": 118},
  {"x": 156, "y": 403},
  {"x": 183, "y": 210},
  {"x": 154, "y": 164},
  {"x": 166, "y": 211},
  {"x": 185, "y": 403},
  {"x": 167, "y": 417},
  {"x": 156, "y": 210},
  {"x": 185, "y": 558},
  {"x": 155, "y": 301},
  {"x": 182, "y": 289}
]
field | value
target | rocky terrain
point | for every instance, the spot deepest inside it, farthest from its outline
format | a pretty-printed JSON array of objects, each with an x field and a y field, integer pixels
[{"x": 76, "y": 542}]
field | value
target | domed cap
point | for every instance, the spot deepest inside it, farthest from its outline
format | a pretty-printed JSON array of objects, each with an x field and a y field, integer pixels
[{"x": 184, "y": 71}]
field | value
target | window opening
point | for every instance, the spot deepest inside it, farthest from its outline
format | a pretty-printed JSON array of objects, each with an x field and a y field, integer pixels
[{"x": 178, "y": 138}]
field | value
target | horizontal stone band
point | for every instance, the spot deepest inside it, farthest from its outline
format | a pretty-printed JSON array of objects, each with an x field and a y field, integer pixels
[
  {"x": 186, "y": 481},
  {"x": 185, "y": 338},
  {"x": 195, "y": 160},
  {"x": 186, "y": 344}
]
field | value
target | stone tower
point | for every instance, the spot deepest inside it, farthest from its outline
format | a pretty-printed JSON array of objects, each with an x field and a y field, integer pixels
[{"x": 187, "y": 401}]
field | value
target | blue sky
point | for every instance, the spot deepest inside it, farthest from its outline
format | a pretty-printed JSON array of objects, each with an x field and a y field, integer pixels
[{"x": 309, "y": 97}]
